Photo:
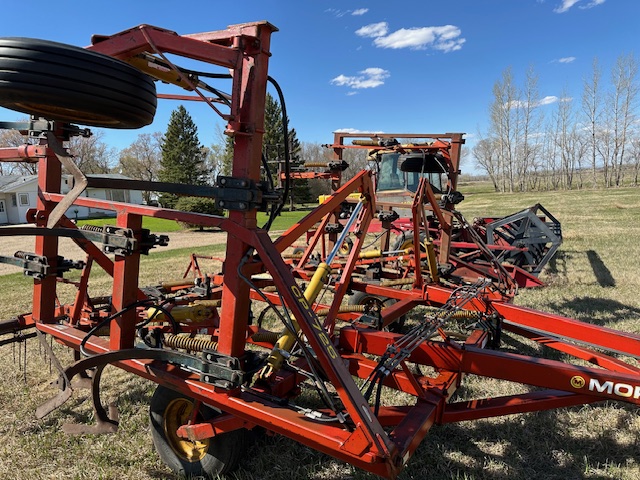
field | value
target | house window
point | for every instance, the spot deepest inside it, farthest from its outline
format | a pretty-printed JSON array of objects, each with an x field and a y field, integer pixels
[
  {"x": 118, "y": 195},
  {"x": 1, "y": 206},
  {"x": 23, "y": 198},
  {"x": 14, "y": 201}
]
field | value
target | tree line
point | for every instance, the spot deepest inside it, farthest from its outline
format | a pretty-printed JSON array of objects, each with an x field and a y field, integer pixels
[{"x": 593, "y": 141}]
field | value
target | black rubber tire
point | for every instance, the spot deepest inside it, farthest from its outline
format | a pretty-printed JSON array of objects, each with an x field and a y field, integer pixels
[
  {"x": 376, "y": 303},
  {"x": 223, "y": 452},
  {"x": 71, "y": 84},
  {"x": 405, "y": 240}
]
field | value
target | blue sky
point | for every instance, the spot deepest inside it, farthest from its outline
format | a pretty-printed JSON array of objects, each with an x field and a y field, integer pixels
[{"x": 420, "y": 66}]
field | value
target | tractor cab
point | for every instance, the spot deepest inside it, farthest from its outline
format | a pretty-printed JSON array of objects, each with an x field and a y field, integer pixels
[{"x": 398, "y": 175}]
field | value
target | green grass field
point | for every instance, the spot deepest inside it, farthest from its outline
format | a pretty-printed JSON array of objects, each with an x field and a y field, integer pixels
[
  {"x": 151, "y": 223},
  {"x": 594, "y": 278}
]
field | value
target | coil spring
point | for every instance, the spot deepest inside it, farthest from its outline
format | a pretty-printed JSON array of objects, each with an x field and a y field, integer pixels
[
  {"x": 20, "y": 254},
  {"x": 208, "y": 303},
  {"x": 266, "y": 337},
  {"x": 315, "y": 164},
  {"x": 463, "y": 314},
  {"x": 399, "y": 281},
  {"x": 92, "y": 228},
  {"x": 185, "y": 342},
  {"x": 343, "y": 309}
]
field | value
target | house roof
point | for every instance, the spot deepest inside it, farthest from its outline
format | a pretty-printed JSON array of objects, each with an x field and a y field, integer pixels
[{"x": 8, "y": 183}]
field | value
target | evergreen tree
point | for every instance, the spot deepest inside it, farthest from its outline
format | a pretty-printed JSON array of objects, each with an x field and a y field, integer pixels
[
  {"x": 183, "y": 157},
  {"x": 300, "y": 192},
  {"x": 273, "y": 146}
]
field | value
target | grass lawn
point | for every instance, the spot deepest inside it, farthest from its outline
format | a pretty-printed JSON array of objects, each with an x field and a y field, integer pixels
[
  {"x": 282, "y": 222},
  {"x": 151, "y": 223},
  {"x": 594, "y": 278}
]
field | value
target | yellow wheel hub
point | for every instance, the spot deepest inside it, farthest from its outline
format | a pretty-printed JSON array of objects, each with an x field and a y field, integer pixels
[{"x": 178, "y": 413}]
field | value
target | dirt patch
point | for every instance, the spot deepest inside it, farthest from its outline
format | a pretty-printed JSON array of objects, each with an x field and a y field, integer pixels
[{"x": 69, "y": 250}]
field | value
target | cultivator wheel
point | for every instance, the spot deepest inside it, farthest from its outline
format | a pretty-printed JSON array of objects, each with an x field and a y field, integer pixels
[
  {"x": 405, "y": 240},
  {"x": 170, "y": 410},
  {"x": 373, "y": 306},
  {"x": 71, "y": 84}
]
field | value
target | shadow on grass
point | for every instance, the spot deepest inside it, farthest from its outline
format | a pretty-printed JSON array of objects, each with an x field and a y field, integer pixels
[
  {"x": 537, "y": 445},
  {"x": 599, "y": 311},
  {"x": 600, "y": 270}
]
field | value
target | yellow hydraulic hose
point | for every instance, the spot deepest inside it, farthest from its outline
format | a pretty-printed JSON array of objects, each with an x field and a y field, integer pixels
[{"x": 288, "y": 339}]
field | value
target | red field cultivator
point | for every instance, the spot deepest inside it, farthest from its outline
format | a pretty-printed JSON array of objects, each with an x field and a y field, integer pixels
[{"x": 219, "y": 373}]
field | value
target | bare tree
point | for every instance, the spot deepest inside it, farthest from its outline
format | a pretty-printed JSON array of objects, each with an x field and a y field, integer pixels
[
  {"x": 570, "y": 143},
  {"x": 503, "y": 121},
  {"x": 515, "y": 120},
  {"x": 529, "y": 120},
  {"x": 141, "y": 160},
  {"x": 486, "y": 154},
  {"x": 91, "y": 154},
  {"x": 592, "y": 112},
  {"x": 634, "y": 160},
  {"x": 621, "y": 112}
]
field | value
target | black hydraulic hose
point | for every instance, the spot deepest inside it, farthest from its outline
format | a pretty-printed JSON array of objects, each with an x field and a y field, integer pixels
[{"x": 287, "y": 159}]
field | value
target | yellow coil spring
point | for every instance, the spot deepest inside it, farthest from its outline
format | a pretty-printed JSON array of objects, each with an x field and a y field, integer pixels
[
  {"x": 343, "y": 309},
  {"x": 462, "y": 314},
  {"x": 266, "y": 337},
  {"x": 315, "y": 165},
  {"x": 208, "y": 303},
  {"x": 399, "y": 281},
  {"x": 186, "y": 342}
]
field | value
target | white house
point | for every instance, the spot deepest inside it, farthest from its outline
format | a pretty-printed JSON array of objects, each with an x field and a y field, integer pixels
[{"x": 19, "y": 193}]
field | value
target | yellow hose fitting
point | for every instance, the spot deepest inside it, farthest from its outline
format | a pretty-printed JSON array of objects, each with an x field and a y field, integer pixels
[
  {"x": 193, "y": 313},
  {"x": 370, "y": 254},
  {"x": 288, "y": 339}
]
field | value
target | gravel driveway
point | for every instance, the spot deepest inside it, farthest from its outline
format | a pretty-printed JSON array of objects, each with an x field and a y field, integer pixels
[{"x": 69, "y": 250}]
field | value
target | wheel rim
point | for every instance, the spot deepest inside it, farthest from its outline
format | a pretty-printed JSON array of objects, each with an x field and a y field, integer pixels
[
  {"x": 372, "y": 305},
  {"x": 178, "y": 413},
  {"x": 345, "y": 248}
]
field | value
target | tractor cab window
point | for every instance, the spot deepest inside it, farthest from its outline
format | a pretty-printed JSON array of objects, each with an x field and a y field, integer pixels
[
  {"x": 389, "y": 175},
  {"x": 415, "y": 167}
]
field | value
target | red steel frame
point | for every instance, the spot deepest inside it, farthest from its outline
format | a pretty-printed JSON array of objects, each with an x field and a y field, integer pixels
[{"x": 380, "y": 442}]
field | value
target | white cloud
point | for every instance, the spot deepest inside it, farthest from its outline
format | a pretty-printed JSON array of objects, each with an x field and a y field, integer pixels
[
  {"x": 567, "y": 60},
  {"x": 336, "y": 13},
  {"x": 445, "y": 38},
  {"x": 548, "y": 100},
  {"x": 373, "y": 30},
  {"x": 593, "y": 3},
  {"x": 368, "y": 78},
  {"x": 352, "y": 130},
  {"x": 341, "y": 13},
  {"x": 567, "y": 4}
]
